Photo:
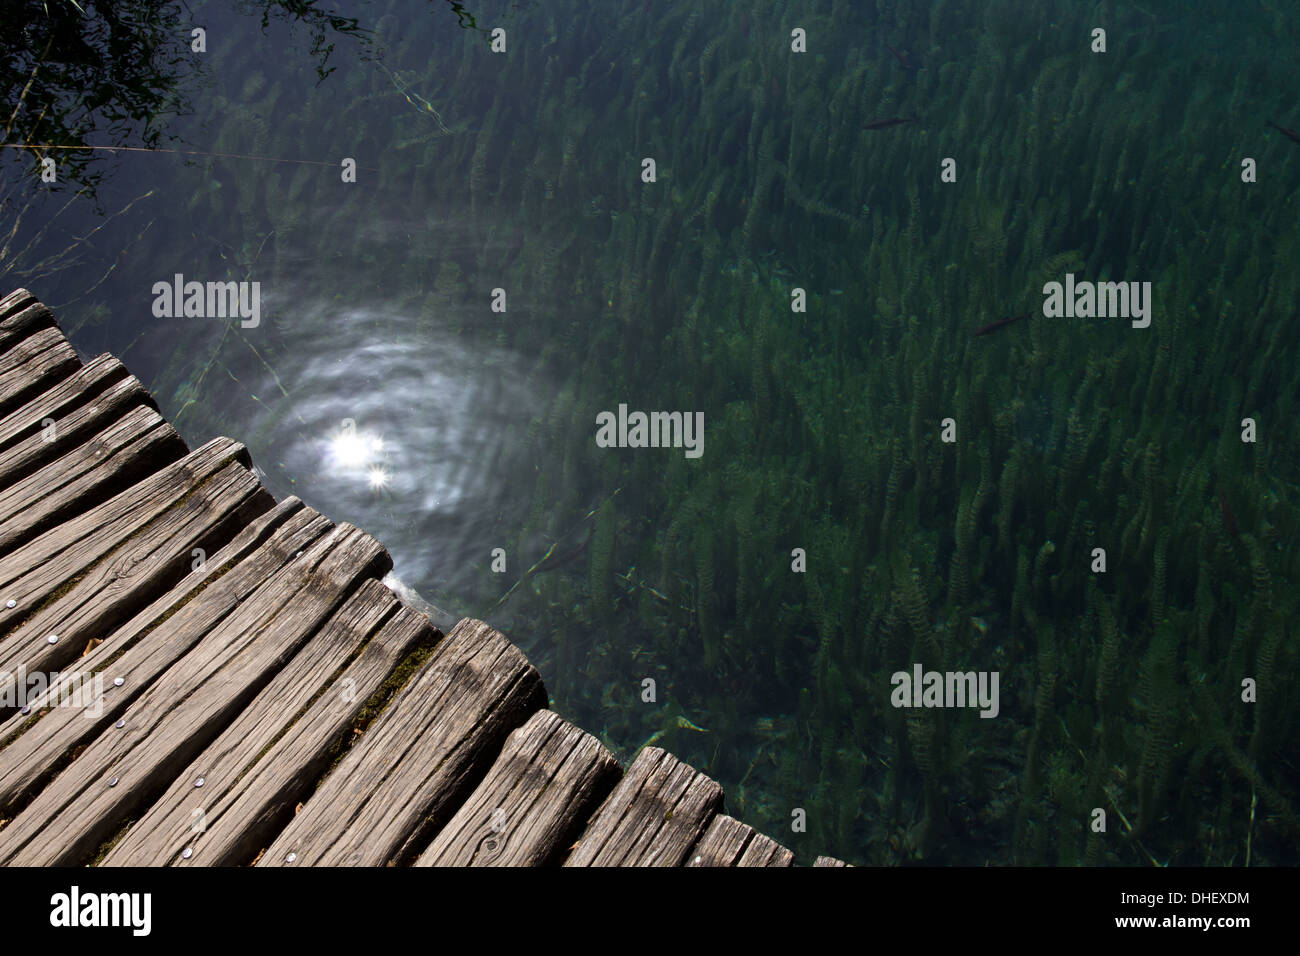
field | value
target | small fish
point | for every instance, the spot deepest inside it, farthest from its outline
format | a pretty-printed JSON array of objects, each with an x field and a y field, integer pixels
[
  {"x": 994, "y": 326},
  {"x": 904, "y": 60},
  {"x": 1288, "y": 133},
  {"x": 512, "y": 251},
  {"x": 1225, "y": 509},
  {"x": 886, "y": 123},
  {"x": 550, "y": 561}
]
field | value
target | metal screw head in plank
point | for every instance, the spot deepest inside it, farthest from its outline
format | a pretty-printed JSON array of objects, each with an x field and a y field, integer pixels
[
  {"x": 113, "y": 782},
  {"x": 291, "y": 857},
  {"x": 121, "y": 724},
  {"x": 118, "y": 681},
  {"x": 53, "y": 638},
  {"x": 199, "y": 782},
  {"x": 11, "y": 603},
  {"x": 186, "y": 853},
  {"x": 27, "y": 708}
]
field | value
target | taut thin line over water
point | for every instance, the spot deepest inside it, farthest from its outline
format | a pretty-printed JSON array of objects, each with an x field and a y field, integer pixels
[{"x": 180, "y": 152}]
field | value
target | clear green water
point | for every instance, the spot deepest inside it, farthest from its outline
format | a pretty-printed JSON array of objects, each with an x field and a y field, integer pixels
[{"x": 474, "y": 429}]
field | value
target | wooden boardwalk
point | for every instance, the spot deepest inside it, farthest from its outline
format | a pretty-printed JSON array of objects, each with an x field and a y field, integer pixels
[{"x": 194, "y": 674}]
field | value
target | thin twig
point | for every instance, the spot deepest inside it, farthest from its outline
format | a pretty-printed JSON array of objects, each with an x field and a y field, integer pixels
[
  {"x": 1250, "y": 829},
  {"x": 23, "y": 95}
]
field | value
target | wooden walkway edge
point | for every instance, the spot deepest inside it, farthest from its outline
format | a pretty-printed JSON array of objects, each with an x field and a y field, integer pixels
[{"x": 192, "y": 674}]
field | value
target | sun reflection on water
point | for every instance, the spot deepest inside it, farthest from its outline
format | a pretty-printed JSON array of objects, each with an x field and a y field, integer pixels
[
  {"x": 404, "y": 430},
  {"x": 350, "y": 450}
]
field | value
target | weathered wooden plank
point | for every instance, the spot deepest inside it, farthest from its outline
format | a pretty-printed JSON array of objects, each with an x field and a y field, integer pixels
[
  {"x": 427, "y": 750},
  {"x": 239, "y": 803},
  {"x": 36, "y": 746},
  {"x": 79, "y": 388},
  {"x": 80, "y": 417},
  {"x": 654, "y": 816},
  {"x": 764, "y": 851},
  {"x": 728, "y": 842},
  {"x": 35, "y": 571},
  {"x": 33, "y": 346},
  {"x": 32, "y": 365},
  {"x": 15, "y": 301},
  {"x": 534, "y": 801},
  {"x": 143, "y": 568},
  {"x": 188, "y": 707},
  {"x": 250, "y": 817},
  {"x": 129, "y": 449},
  {"x": 20, "y": 316},
  {"x": 829, "y": 861}
]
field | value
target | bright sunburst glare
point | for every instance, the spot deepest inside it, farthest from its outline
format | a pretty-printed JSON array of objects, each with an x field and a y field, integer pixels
[
  {"x": 353, "y": 453},
  {"x": 353, "y": 449}
]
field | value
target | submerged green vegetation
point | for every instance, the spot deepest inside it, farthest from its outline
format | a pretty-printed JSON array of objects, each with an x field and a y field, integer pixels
[{"x": 1120, "y": 690}]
